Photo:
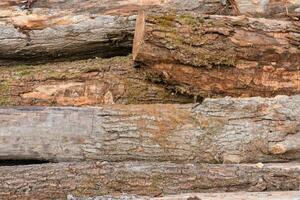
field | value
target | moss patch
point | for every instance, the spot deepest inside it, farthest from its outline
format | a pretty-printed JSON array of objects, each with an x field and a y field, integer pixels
[{"x": 4, "y": 94}]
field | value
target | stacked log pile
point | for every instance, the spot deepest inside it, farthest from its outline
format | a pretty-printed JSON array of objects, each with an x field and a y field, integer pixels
[{"x": 77, "y": 125}]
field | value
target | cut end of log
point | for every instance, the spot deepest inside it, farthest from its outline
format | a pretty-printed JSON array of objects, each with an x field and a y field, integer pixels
[{"x": 138, "y": 35}]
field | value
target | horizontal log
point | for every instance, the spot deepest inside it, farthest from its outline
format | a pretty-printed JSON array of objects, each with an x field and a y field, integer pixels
[
  {"x": 81, "y": 83},
  {"x": 219, "y": 55},
  {"x": 287, "y": 195},
  {"x": 43, "y": 30},
  {"x": 217, "y": 131},
  {"x": 56, "y": 181}
]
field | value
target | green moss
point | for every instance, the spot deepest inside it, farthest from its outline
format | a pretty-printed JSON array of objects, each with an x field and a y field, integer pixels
[
  {"x": 165, "y": 20},
  {"x": 4, "y": 90},
  {"x": 190, "y": 19}
]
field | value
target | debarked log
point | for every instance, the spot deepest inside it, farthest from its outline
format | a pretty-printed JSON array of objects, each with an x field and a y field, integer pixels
[
  {"x": 213, "y": 56},
  {"x": 57, "y": 181},
  {"x": 89, "y": 82},
  {"x": 224, "y": 130}
]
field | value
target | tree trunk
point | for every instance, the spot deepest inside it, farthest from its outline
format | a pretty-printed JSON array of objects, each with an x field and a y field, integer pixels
[
  {"x": 219, "y": 55},
  {"x": 290, "y": 195},
  {"x": 43, "y": 30},
  {"x": 56, "y": 181},
  {"x": 81, "y": 83},
  {"x": 217, "y": 131}
]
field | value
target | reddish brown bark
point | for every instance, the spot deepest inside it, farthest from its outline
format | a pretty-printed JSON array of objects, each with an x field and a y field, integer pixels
[{"x": 219, "y": 55}]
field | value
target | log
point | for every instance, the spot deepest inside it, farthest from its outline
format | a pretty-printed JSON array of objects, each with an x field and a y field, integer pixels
[
  {"x": 43, "y": 30},
  {"x": 217, "y": 131},
  {"x": 213, "y": 56},
  {"x": 57, "y": 181},
  {"x": 81, "y": 83},
  {"x": 290, "y": 195}
]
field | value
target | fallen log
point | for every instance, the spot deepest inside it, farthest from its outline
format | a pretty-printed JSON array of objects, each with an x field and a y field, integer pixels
[
  {"x": 81, "y": 83},
  {"x": 286, "y": 195},
  {"x": 216, "y": 131},
  {"x": 219, "y": 55},
  {"x": 56, "y": 181},
  {"x": 43, "y": 30}
]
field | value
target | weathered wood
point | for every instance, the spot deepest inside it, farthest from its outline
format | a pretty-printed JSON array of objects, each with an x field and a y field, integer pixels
[
  {"x": 217, "y": 131},
  {"x": 288, "y": 195},
  {"x": 219, "y": 55},
  {"x": 81, "y": 83},
  {"x": 56, "y": 181}
]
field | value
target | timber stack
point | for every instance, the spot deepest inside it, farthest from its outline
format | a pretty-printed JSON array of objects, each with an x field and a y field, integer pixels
[{"x": 150, "y": 99}]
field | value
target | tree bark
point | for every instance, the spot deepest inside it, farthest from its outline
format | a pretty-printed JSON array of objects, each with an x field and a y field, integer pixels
[
  {"x": 81, "y": 83},
  {"x": 219, "y": 55},
  {"x": 290, "y": 195},
  {"x": 217, "y": 131},
  {"x": 56, "y": 181}
]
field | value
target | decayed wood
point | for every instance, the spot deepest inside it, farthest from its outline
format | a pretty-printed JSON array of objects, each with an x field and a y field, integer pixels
[
  {"x": 219, "y": 55},
  {"x": 56, "y": 181},
  {"x": 56, "y": 29},
  {"x": 81, "y": 83},
  {"x": 217, "y": 131},
  {"x": 287, "y": 195}
]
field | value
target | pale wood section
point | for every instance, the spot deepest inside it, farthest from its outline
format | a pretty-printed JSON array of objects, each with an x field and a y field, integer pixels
[{"x": 286, "y": 195}]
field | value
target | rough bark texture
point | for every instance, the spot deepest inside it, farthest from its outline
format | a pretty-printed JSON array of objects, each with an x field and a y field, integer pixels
[
  {"x": 56, "y": 181},
  {"x": 47, "y": 29},
  {"x": 217, "y": 131},
  {"x": 291, "y": 195},
  {"x": 219, "y": 55},
  {"x": 81, "y": 83}
]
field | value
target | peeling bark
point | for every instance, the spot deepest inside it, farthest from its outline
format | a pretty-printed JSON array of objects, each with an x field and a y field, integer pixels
[
  {"x": 290, "y": 195},
  {"x": 219, "y": 55},
  {"x": 81, "y": 83},
  {"x": 56, "y": 181},
  {"x": 217, "y": 131}
]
